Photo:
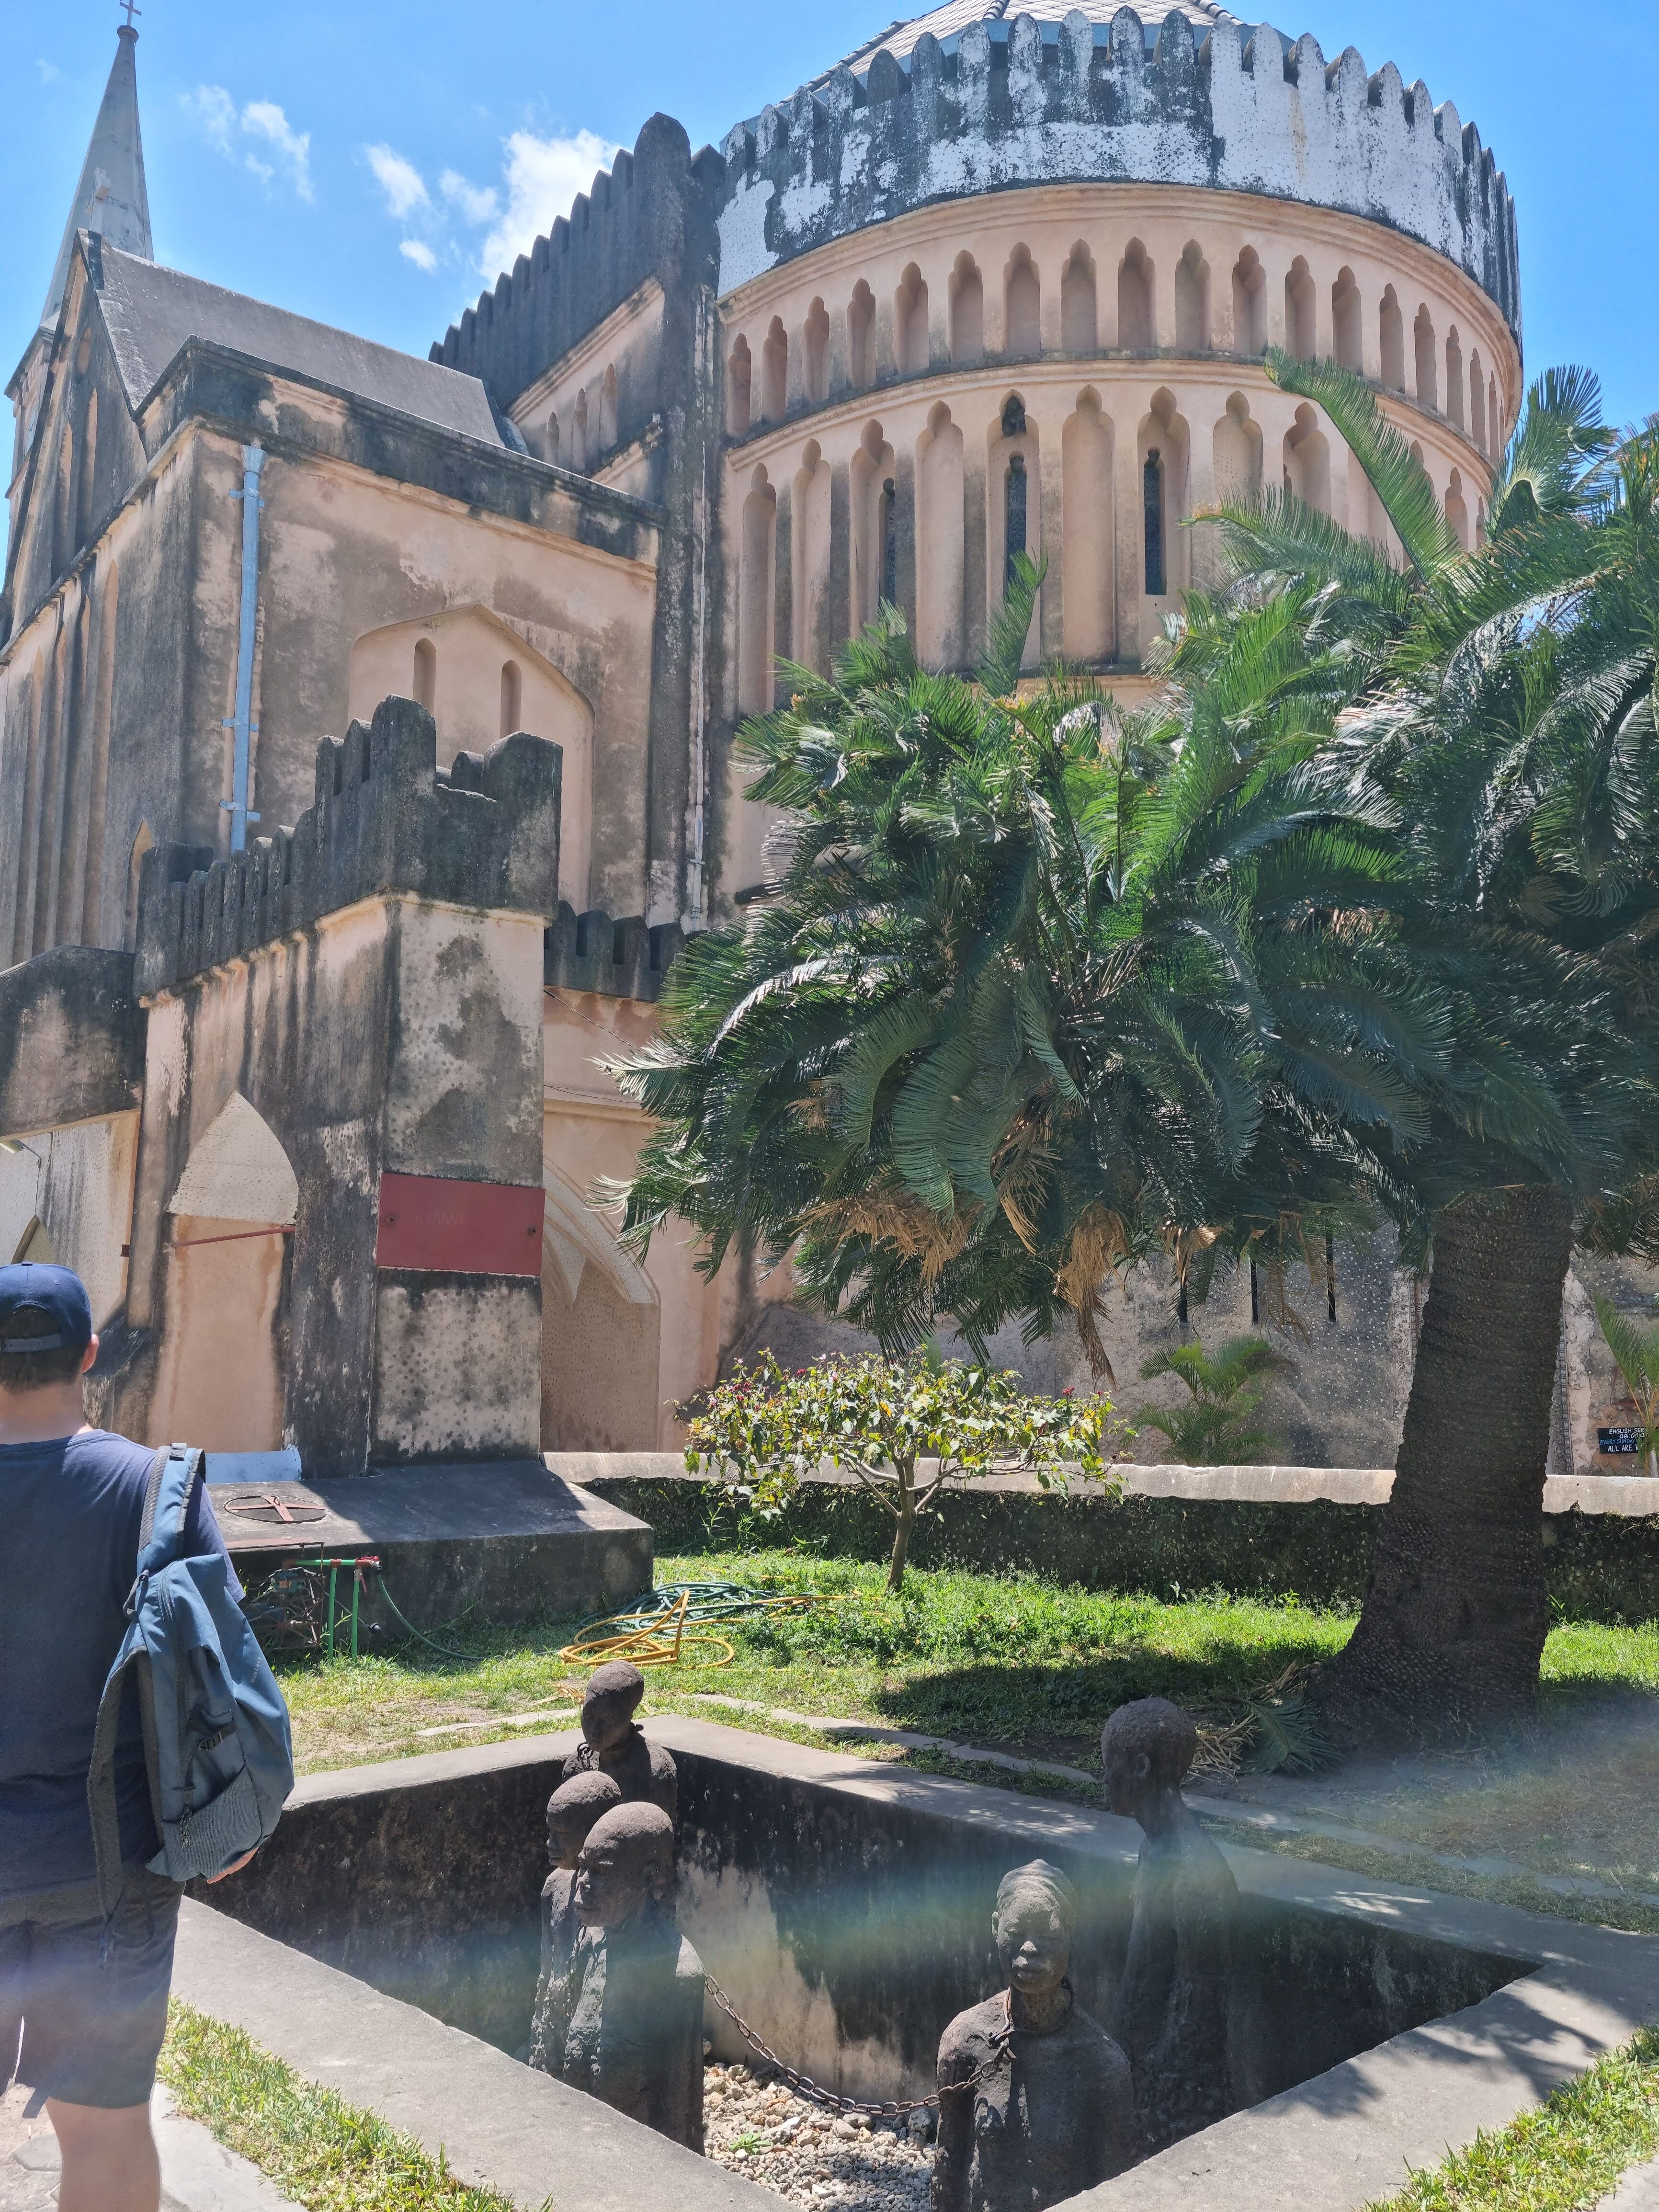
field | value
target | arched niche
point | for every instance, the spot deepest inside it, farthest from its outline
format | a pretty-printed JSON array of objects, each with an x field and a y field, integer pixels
[
  {"x": 220, "y": 1377},
  {"x": 601, "y": 1320},
  {"x": 810, "y": 564},
  {"x": 1014, "y": 479},
  {"x": 463, "y": 655},
  {"x": 1308, "y": 460},
  {"x": 757, "y": 562},
  {"x": 1162, "y": 454},
  {"x": 873, "y": 490},
  {"x": 1088, "y": 581},
  {"x": 940, "y": 640}
]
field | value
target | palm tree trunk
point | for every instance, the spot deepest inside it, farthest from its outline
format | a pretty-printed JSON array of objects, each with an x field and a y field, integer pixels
[{"x": 1453, "y": 1626}]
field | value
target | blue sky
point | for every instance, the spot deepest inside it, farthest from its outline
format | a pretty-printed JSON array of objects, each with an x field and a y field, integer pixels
[{"x": 373, "y": 164}]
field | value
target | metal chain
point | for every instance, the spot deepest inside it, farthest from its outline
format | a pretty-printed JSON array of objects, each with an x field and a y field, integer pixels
[{"x": 804, "y": 2085}]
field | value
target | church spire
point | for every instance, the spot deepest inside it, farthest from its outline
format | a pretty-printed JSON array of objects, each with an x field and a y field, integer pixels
[{"x": 111, "y": 196}]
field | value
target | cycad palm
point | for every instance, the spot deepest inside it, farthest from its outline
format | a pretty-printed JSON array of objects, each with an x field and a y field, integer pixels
[
  {"x": 1036, "y": 989},
  {"x": 1223, "y": 1390},
  {"x": 1506, "y": 707}
]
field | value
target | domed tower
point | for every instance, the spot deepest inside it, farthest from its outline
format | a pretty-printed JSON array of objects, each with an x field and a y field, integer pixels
[{"x": 1004, "y": 281}]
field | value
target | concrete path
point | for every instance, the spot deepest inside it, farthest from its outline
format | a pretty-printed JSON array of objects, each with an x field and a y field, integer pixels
[
  {"x": 1638, "y": 2192},
  {"x": 197, "y": 2174}
]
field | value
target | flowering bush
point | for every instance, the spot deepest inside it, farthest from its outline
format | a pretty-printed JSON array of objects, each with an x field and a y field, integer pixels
[{"x": 881, "y": 1418}]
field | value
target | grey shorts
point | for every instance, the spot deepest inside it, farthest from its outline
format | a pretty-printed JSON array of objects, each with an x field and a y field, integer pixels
[{"x": 81, "y": 2019}]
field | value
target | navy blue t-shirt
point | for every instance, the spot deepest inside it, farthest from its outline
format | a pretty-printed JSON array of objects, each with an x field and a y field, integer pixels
[{"x": 69, "y": 1512}]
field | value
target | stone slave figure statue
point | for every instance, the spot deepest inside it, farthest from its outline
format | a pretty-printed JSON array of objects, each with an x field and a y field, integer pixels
[
  {"x": 571, "y": 1810},
  {"x": 613, "y": 1743},
  {"x": 635, "y": 2037},
  {"x": 1035, "y": 2098},
  {"x": 1173, "y": 2002}
]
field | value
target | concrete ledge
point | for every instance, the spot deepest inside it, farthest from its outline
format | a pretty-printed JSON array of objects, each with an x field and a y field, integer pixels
[
  {"x": 508, "y": 1539},
  {"x": 495, "y": 2121},
  {"x": 1629, "y": 1496}
]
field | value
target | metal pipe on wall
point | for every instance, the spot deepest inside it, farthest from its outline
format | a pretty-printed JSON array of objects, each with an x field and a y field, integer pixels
[{"x": 253, "y": 461}]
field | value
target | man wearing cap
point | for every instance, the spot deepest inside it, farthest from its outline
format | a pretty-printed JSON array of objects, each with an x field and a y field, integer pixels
[{"x": 83, "y": 2008}]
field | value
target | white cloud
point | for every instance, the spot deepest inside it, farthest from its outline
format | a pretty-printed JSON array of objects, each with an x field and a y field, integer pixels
[
  {"x": 227, "y": 129},
  {"x": 50, "y": 73},
  {"x": 477, "y": 203},
  {"x": 542, "y": 176},
  {"x": 400, "y": 181},
  {"x": 264, "y": 119},
  {"x": 215, "y": 111},
  {"x": 417, "y": 251}
]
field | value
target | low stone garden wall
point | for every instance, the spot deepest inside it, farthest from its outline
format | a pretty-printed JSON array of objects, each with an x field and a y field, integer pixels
[{"x": 1175, "y": 1531}]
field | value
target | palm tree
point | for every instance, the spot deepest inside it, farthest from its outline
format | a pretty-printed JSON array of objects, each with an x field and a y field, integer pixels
[
  {"x": 1507, "y": 709},
  {"x": 1223, "y": 1388},
  {"x": 1037, "y": 990}
]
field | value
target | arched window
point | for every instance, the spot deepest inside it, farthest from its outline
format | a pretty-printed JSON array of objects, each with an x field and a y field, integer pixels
[
  {"x": 1477, "y": 401},
  {"x": 815, "y": 353},
  {"x": 1494, "y": 428},
  {"x": 1078, "y": 322},
  {"x": 1192, "y": 281},
  {"x": 1391, "y": 341},
  {"x": 1301, "y": 308},
  {"x": 887, "y": 530},
  {"x": 1024, "y": 299},
  {"x": 512, "y": 697},
  {"x": 552, "y": 438},
  {"x": 578, "y": 435},
  {"x": 775, "y": 373},
  {"x": 1346, "y": 323},
  {"x": 1249, "y": 303},
  {"x": 861, "y": 336},
  {"x": 1455, "y": 376},
  {"x": 967, "y": 311},
  {"x": 738, "y": 374},
  {"x": 1136, "y": 323},
  {"x": 1428, "y": 390},
  {"x": 1151, "y": 502},
  {"x": 608, "y": 409},
  {"x": 426, "y": 673},
  {"x": 910, "y": 339}
]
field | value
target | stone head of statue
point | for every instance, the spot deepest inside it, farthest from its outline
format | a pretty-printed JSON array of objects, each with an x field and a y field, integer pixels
[
  {"x": 626, "y": 1864},
  {"x": 1032, "y": 1926},
  {"x": 614, "y": 1692},
  {"x": 1145, "y": 1749},
  {"x": 571, "y": 1810}
]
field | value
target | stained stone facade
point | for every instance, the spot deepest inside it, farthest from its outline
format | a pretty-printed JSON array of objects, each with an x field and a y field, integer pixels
[{"x": 1002, "y": 280}]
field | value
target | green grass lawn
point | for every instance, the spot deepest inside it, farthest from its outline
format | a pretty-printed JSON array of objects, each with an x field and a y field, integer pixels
[{"x": 1014, "y": 1662}]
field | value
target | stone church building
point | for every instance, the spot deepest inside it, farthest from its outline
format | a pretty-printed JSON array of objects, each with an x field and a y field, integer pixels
[{"x": 303, "y": 992}]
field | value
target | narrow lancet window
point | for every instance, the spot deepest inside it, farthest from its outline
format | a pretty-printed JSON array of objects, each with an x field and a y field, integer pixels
[
  {"x": 1153, "y": 497},
  {"x": 889, "y": 542},
  {"x": 1013, "y": 532}
]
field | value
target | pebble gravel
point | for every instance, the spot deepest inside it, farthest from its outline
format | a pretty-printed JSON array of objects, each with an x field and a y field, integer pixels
[{"x": 756, "y": 2126}]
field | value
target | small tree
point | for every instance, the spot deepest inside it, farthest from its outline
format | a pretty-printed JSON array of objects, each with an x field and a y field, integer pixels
[
  {"x": 765, "y": 1429},
  {"x": 1226, "y": 1387},
  {"x": 1635, "y": 1348}
]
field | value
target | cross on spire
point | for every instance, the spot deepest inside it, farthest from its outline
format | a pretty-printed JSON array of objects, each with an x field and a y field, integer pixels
[{"x": 132, "y": 10}]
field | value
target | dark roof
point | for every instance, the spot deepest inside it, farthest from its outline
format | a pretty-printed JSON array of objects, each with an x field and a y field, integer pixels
[{"x": 151, "y": 312}]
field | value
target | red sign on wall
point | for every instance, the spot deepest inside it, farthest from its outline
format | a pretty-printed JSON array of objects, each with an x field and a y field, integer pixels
[{"x": 444, "y": 1225}]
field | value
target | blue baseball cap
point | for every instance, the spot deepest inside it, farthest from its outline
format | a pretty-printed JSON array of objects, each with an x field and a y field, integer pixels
[{"x": 56, "y": 1292}]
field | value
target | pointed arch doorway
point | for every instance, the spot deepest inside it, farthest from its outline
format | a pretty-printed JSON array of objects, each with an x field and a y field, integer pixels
[{"x": 220, "y": 1380}]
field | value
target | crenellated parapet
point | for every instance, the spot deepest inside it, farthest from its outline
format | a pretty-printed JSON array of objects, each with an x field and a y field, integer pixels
[
  {"x": 385, "y": 820},
  {"x": 619, "y": 959},
  {"x": 652, "y": 214},
  {"x": 1020, "y": 102}
]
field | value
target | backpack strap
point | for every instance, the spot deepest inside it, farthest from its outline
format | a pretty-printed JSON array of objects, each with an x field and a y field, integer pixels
[
  {"x": 170, "y": 1484},
  {"x": 173, "y": 1476}
]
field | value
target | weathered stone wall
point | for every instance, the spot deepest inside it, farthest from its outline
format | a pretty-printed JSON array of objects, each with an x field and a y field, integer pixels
[
  {"x": 1249, "y": 111},
  {"x": 365, "y": 996}
]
